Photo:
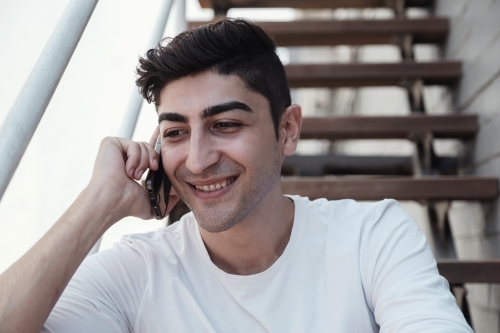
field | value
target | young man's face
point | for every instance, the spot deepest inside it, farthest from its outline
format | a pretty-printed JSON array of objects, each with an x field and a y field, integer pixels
[{"x": 219, "y": 147}]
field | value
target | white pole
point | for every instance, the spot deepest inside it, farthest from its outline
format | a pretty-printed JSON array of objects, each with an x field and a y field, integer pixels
[
  {"x": 28, "y": 108},
  {"x": 182, "y": 24},
  {"x": 135, "y": 100}
]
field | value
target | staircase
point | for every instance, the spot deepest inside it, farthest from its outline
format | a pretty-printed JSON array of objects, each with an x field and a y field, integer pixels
[{"x": 424, "y": 177}]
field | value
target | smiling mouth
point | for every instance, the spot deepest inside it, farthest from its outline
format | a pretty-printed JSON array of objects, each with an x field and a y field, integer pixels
[{"x": 215, "y": 186}]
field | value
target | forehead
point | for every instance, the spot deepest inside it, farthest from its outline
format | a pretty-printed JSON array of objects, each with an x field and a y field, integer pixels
[{"x": 196, "y": 92}]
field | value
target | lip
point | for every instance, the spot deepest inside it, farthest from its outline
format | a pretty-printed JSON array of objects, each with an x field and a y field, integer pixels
[
  {"x": 210, "y": 181},
  {"x": 213, "y": 194}
]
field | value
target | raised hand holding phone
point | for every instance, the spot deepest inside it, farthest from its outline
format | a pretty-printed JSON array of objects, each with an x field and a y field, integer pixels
[{"x": 158, "y": 187}]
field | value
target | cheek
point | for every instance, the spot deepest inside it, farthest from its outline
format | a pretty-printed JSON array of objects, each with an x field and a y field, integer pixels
[
  {"x": 172, "y": 158},
  {"x": 249, "y": 150}
]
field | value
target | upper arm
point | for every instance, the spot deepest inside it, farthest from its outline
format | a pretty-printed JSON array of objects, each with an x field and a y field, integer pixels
[
  {"x": 103, "y": 295},
  {"x": 403, "y": 285}
]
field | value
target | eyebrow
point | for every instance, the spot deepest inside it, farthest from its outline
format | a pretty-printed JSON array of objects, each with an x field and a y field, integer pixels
[
  {"x": 172, "y": 116},
  {"x": 207, "y": 112},
  {"x": 224, "y": 107}
]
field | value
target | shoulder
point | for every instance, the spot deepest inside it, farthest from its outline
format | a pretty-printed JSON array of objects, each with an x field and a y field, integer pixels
[
  {"x": 135, "y": 253},
  {"x": 348, "y": 212},
  {"x": 346, "y": 205},
  {"x": 164, "y": 241},
  {"x": 356, "y": 224},
  {"x": 130, "y": 264},
  {"x": 348, "y": 226}
]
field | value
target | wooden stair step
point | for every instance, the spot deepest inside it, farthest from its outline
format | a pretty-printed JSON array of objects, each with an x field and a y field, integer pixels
[
  {"x": 470, "y": 271},
  {"x": 353, "y": 32},
  {"x": 373, "y": 74},
  {"x": 333, "y": 164},
  {"x": 321, "y": 165},
  {"x": 309, "y": 4},
  {"x": 399, "y": 188},
  {"x": 452, "y": 126}
]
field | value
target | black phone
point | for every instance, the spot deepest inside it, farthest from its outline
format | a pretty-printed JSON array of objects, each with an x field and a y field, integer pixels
[{"x": 157, "y": 185}]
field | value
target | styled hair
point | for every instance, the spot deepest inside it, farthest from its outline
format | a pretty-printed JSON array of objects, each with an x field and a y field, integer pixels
[{"x": 227, "y": 47}]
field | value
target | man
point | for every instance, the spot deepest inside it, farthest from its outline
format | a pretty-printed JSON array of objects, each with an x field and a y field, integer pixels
[{"x": 247, "y": 258}]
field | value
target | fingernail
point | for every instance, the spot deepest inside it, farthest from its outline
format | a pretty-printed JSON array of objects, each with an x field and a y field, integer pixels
[{"x": 139, "y": 173}]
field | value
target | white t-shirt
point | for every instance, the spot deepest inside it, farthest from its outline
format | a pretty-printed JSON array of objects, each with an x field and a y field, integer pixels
[{"x": 348, "y": 267}]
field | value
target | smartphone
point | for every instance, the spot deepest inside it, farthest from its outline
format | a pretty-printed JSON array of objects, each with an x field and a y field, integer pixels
[{"x": 157, "y": 185}]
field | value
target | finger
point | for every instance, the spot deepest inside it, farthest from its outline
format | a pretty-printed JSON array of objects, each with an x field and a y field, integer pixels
[
  {"x": 154, "y": 137},
  {"x": 133, "y": 150},
  {"x": 154, "y": 157},
  {"x": 145, "y": 160}
]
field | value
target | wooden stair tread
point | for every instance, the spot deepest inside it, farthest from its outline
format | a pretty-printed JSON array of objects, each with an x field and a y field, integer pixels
[
  {"x": 373, "y": 74},
  {"x": 353, "y": 32},
  {"x": 399, "y": 188},
  {"x": 321, "y": 165},
  {"x": 335, "y": 164},
  {"x": 392, "y": 127},
  {"x": 471, "y": 271},
  {"x": 226, "y": 4},
  {"x": 356, "y": 32}
]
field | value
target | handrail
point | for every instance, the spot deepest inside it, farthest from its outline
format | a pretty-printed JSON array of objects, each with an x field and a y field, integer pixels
[
  {"x": 131, "y": 116},
  {"x": 135, "y": 100},
  {"x": 28, "y": 108}
]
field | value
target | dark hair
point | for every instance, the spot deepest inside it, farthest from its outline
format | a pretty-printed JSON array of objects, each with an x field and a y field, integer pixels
[{"x": 228, "y": 47}]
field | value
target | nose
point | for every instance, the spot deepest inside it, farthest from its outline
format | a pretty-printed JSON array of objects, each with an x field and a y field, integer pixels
[{"x": 202, "y": 153}]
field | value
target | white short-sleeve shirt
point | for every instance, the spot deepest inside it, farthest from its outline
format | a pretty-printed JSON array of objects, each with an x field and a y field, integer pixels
[{"x": 348, "y": 267}]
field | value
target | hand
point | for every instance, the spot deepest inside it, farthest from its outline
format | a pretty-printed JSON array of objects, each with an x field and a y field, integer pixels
[
  {"x": 120, "y": 161},
  {"x": 30, "y": 288}
]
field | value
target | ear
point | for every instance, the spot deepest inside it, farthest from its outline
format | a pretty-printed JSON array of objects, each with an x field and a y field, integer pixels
[
  {"x": 289, "y": 129},
  {"x": 172, "y": 199}
]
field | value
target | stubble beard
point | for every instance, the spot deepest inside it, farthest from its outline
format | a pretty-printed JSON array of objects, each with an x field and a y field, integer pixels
[{"x": 217, "y": 217}]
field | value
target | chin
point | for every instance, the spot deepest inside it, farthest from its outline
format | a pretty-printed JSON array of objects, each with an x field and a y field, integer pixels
[{"x": 216, "y": 222}]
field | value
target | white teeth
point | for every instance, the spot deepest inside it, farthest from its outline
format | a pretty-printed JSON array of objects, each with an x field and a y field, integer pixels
[{"x": 213, "y": 187}]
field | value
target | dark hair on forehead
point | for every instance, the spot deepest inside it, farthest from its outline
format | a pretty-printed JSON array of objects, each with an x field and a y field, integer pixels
[{"x": 228, "y": 47}]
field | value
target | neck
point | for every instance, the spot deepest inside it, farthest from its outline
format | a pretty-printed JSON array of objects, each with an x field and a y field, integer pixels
[{"x": 255, "y": 243}]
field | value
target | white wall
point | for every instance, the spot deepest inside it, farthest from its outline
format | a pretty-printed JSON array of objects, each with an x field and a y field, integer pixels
[
  {"x": 475, "y": 40},
  {"x": 87, "y": 106}
]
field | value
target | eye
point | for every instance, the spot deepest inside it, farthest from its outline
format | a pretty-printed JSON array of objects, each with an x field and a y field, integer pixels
[
  {"x": 174, "y": 134},
  {"x": 227, "y": 126}
]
